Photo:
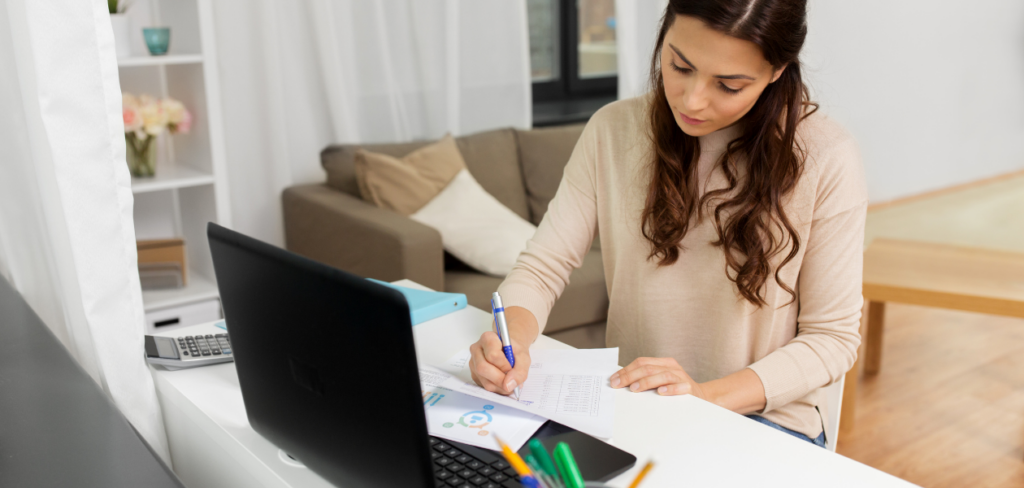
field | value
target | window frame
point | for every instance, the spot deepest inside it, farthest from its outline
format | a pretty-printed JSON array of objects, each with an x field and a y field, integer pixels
[{"x": 568, "y": 85}]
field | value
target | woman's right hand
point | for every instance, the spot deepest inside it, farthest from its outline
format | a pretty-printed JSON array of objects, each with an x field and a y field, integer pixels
[
  {"x": 487, "y": 362},
  {"x": 490, "y": 367}
]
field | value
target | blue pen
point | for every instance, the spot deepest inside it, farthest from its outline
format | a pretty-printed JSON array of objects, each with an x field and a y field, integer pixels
[{"x": 502, "y": 328}]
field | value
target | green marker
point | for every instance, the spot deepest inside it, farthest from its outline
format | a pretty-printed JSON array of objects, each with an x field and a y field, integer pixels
[
  {"x": 537, "y": 471},
  {"x": 567, "y": 466},
  {"x": 543, "y": 458},
  {"x": 531, "y": 462}
]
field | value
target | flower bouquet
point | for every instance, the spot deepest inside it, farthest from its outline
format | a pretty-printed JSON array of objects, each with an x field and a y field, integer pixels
[{"x": 145, "y": 118}]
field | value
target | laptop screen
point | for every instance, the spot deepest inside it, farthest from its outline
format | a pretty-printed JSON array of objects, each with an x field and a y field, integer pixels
[{"x": 326, "y": 363}]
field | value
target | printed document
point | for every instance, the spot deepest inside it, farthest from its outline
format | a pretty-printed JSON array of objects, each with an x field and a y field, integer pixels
[
  {"x": 471, "y": 420},
  {"x": 569, "y": 386}
]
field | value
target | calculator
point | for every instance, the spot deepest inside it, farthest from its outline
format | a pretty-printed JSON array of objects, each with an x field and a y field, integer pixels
[{"x": 188, "y": 351}]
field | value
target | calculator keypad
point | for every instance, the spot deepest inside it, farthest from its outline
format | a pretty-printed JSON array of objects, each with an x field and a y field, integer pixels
[{"x": 204, "y": 346}]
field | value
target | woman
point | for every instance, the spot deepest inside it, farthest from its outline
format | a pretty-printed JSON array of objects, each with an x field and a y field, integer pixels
[{"x": 731, "y": 219}]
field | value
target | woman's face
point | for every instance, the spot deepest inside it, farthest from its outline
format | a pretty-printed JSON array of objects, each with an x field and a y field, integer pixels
[{"x": 711, "y": 79}]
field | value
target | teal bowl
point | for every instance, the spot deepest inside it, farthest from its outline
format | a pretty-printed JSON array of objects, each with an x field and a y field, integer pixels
[{"x": 158, "y": 39}]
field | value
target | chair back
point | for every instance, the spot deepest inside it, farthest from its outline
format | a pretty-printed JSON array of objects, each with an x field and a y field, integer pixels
[{"x": 834, "y": 403}]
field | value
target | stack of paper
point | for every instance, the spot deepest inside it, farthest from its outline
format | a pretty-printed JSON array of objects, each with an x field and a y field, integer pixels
[{"x": 567, "y": 386}]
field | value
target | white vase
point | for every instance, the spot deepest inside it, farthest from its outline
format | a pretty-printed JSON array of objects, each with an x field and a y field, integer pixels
[{"x": 119, "y": 22}]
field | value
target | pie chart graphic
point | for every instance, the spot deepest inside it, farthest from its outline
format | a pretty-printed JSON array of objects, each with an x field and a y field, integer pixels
[{"x": 477, "y": 419}]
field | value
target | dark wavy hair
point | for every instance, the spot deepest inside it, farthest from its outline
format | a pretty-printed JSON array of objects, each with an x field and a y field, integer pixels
[{"x": 748, "y": 214}]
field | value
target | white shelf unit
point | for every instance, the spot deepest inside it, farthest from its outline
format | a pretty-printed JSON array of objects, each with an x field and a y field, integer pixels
[
  {"x": 173, "y": 176},
  {"x": 190, "y": 187},
  {"x": 160, "y": 60}
]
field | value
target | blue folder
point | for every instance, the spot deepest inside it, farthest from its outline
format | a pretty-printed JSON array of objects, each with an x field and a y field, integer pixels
[
  {"x": 423, "y": 305},
  {"x": 426, "y": 305}
]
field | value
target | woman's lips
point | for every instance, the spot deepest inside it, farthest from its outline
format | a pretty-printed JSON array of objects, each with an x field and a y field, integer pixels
[{"x": 691, "y": 120}]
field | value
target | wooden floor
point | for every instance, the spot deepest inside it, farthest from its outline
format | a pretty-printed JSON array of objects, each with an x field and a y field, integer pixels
[{"x": 947, "y": 409}]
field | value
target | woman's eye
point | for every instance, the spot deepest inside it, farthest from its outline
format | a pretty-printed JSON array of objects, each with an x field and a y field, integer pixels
[
  {"x": 729, "y": 90},
  {"x": 681, "y": 70}
]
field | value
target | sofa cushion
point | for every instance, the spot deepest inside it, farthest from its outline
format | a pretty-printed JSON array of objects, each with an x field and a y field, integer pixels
[
  {"x": 475, "y": 227},
  {"x": 492, "y": 158},
  {"x": 405, "y": 185},
  {"x": 339, "y": 162},
  {"x": 584, "y": 300},
  {"x": 544, "y": 154}
]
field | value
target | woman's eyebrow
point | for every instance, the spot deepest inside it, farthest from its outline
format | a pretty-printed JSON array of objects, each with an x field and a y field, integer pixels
[{"x": 723, "y": 77}]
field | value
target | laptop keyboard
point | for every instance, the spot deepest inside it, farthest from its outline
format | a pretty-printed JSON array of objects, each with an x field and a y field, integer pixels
[{"x": 461, "y": 466}]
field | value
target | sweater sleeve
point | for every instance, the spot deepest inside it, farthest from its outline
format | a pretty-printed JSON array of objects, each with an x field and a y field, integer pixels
[
  {"x": 562, "y": 240},
  {"x": 829, "y": 290}
]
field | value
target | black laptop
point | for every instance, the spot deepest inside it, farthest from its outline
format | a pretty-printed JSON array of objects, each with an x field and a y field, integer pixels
[{"x": 328, "y": 373}]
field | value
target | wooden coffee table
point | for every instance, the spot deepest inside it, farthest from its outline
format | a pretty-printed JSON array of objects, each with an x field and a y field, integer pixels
[{"x": 933, "y": 275}]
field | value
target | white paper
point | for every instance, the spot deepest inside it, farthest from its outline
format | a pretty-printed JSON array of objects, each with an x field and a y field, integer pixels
[
  {"x": 471, "y": 420},
  {"x": 567, "y": 386}
]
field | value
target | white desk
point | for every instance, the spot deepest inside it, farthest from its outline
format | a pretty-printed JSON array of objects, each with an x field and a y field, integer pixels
[{"x": 696, "y": 443}]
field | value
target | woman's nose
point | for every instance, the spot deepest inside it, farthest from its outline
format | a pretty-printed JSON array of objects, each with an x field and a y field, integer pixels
[{"x": 695, "y": 99}]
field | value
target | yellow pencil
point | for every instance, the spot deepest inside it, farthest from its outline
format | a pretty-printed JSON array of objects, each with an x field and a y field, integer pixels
[
  {"x": 513, "y": 458},
  {"x": 643, "y": 472}
]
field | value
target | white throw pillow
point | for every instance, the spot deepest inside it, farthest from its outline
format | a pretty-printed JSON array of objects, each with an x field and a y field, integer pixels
[{"x": 475, "y": 227}]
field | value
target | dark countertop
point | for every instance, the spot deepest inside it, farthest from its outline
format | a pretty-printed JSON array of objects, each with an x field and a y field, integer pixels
[{"x": 57, "y": 428}]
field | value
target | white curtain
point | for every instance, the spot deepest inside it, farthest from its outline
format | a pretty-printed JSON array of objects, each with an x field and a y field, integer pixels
[
  {"x": 298, "y": 76},
  {"x": 67, "y": 239},
  {"x": 636, "y": 31}
]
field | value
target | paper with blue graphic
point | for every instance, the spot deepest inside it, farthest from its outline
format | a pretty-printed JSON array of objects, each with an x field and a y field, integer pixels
[{"x": 470, "y": 420}]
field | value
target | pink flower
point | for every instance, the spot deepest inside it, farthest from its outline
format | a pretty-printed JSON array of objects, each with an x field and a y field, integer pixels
[
  {"x": 185, "y": 124},
  {"x": 131, "y": 119}
]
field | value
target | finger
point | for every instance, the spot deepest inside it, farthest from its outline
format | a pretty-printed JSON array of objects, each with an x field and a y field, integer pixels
[
  {"x": 489, "y": 374},
  {"x": 616, "y": 380},
  {"x": 493, "y": 352},
  {"x": 487, "y": 385},
  {"x": 483, "y": 371},
  {"x": 628, "y": 377},
  {"x": 665, "y": 377},
  {"x": 675, "y": 389},
  {"x": 489, "y": 339},
  {"x": 517, "y": 376}
]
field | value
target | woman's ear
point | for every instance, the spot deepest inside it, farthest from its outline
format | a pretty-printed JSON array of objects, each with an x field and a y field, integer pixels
[{"x": 778, "y": 73}]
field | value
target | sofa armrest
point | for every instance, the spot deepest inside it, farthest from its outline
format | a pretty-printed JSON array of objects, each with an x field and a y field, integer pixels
[{"x": 343, "y": 231}]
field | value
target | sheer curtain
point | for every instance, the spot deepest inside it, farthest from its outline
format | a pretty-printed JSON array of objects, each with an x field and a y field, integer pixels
[
  {"x": 67, "y": 239},
  {"x": 636, "y": 24},
  {"x": 298, "y": 76}
]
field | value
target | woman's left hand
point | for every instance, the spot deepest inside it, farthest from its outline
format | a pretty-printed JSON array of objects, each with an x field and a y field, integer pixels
[{"x": 664, "y": 375}]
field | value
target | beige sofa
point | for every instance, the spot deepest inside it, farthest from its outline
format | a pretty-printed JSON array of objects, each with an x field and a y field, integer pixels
[{"x": 330, "y": 223}]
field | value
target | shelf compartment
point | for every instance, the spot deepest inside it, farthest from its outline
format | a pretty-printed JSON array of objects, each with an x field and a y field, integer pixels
[
  {"x": 172, "y": 176},
  {"x": 160, "y": 60},
  {"x": 199, "y": 288}
]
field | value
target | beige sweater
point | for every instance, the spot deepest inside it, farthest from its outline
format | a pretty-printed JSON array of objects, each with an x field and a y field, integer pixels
[{"x": 690, "y": 310}]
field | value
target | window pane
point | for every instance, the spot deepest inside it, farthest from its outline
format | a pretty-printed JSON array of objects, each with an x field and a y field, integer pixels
[
  {"x": 543, "y": 20},
  {"x": 597, "y": 38}
]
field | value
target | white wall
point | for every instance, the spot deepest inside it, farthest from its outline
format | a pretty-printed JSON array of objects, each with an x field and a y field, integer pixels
[{"x": 933, "y": 90}]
